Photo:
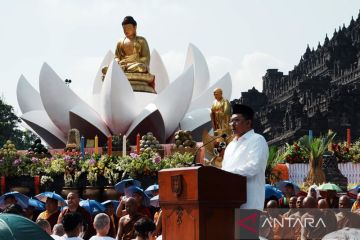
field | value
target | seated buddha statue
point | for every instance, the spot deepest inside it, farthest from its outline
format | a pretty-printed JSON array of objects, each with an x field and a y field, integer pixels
[{"x": 133, "y": 55}]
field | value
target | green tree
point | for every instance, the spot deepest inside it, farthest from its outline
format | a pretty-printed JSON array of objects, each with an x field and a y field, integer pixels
[{"x": 9, "y": 128}]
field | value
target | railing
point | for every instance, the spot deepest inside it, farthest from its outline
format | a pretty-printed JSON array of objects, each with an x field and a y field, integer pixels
[{"x": 298, "y": 172}]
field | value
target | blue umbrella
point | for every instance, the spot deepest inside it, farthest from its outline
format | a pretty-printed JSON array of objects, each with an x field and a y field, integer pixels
[
  {"x": 21, "y": 199},
  {"x": 92, "y": 206},
  {"x": 281, "y": 185},
  {"x": 150, "y": 189},
  {"x": 134, "y": 189},
  {"x": 154, "y": 201},
  {"x": 272, "y": 191},
  {"x": 115, "y": 203},
  {"x": 45, "y": 195},
  {"x": 38, "y": 205},
  {"x": 355, "y": 190},
  {"x": 120, "y": 186}
]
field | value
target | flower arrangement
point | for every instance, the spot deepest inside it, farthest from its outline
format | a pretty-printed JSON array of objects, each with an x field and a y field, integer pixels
[
  {"x": 46, "y": 182},
  {"x": 8, "y": 155},
  {"x": 110, "y": 168},
  {"x": 341, "y": 151},
  {"x": 295, "y": 154},
  {"x": 72, "y": 172},
  {"x": 355, "y": 152}
]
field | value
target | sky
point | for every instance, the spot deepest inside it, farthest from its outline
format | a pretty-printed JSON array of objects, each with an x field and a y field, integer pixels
[{"x": 243, "y": 37}]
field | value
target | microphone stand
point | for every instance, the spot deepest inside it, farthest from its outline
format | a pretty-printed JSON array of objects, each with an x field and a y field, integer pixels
[{"x": 194, "y": 164}]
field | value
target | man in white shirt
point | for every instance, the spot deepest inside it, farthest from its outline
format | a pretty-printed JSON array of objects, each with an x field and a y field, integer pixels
[{"x": 247, "y": 155}]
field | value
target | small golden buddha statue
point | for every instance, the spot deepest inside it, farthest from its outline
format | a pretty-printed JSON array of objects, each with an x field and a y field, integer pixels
[
  {"x": 220, "y": 113},
  {"x": 73, "y": 141},
  {"x": 133, "y": 55}
]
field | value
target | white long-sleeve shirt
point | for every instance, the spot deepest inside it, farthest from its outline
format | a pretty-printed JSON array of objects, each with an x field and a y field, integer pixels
[{"x": 247, "y": 156}]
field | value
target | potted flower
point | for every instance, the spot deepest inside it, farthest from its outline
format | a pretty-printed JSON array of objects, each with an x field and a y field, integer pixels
[
  {"x": 93, "y": 171},
  {"x": 72, "y": 172},
  {"x": 111, "y": 172},
  {"x": 46, "y": 183}
]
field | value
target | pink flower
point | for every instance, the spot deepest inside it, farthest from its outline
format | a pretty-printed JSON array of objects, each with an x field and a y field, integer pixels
[
  {"x": 157, "y": 159},
  {"x": 16, "y": 162},
  {"x": 34, "y": 160},
  {"x": 133, "y": 155},
  {"x": 92, "y": 161}
]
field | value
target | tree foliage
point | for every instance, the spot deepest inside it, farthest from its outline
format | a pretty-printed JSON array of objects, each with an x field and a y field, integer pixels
[{"x": 9, "y": 128}]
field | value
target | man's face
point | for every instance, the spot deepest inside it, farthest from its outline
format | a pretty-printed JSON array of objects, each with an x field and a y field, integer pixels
[
  {"x": 239, "y": 125},
  {"x": 131, "y": 206},
  {"x": 51, "y": 205},
  {"x": 299, "y": 202},
  {"x": 292, "y": 202},
  {"x": 218, "y": 95},
  {"x": 73, "y": 200},
  {"x": 129, "y": 30},
  {"x": 343, "y": 203}
]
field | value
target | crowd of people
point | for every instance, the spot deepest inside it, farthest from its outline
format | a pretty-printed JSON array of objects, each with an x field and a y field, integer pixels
[
  {"x": 326, "y": 210},
  {"x": 134, "y": 218}
]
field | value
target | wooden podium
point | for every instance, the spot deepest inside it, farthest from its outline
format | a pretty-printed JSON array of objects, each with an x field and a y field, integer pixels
[{"x": 198, "y": 203}]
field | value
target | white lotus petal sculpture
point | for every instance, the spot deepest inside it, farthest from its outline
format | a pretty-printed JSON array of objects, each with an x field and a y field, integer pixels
[
  {"x": 183, "y": 103},
  {"x": 158, "y": 69},
  {"x": 201, "y": 76},
  {"x": 35, "y": 116}
]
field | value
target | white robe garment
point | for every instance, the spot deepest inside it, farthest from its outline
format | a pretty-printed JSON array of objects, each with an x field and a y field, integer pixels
[{"x": 247, "y": 156}]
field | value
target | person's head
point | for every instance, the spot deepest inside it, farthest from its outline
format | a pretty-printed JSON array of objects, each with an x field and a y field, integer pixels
[
  {"x": 322, "y": 204},
  {"x": 72, "y": 223},
  {"x": 73, "y": 200},
  {"x": 102, "y": 224},
  {"x": 272, "y": 204},
  {"x": 292, "y": 202},
  {"x": 299, "y": 202},
  {"x": 129, "y": 26},
  {"x": 241, "y": 120},
  {"x": 144, "y": 227},
  {"x": 51, "y": 205},
  {"x": 14, "y": 209},
  {"x": 9, "y": 199},
  {"x": 312, "y": 192},
  {"x": 358, "y": 197},
  {"x": 331, "y": 193},
  {"x": 309, "y": 202},
  {"x": 131, "y": 206},
  {"x": 127, "y": 185},
  {"x": 58, "y": 230},
  {"x": 271, "y": 207},
  {"x": 344, "y": 202},
  {"x": 109, "y": 209},
  {"x": 218, "y": 94},
  {"x": 44, "y": 225},
  {"x": 289, "y": 189}
]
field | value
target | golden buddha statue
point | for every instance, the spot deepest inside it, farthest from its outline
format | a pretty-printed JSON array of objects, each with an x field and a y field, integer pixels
[
  {"x": 73, "y": 141},
  {"x": 133, "y": 55},
  {"x": 220, "y": 113}
]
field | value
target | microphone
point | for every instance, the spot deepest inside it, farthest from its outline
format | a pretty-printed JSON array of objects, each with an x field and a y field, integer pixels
[{"x": 224, "y": 135}]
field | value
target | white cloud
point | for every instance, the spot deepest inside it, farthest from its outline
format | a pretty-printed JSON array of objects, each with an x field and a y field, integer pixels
[{"x": 252, "y": 68}]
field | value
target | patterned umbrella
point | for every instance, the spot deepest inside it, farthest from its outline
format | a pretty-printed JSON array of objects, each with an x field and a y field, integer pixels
[
  {"x": 272, "y": 191},
  {"x": 120, "y": 186},
  {"x": 45, "y": 195},
  {"x": 92, "y": 206},
  {"x": 329, "y": 186},
  {"x": 281, "y": 185},
  {"x": 21, "y": 199}
]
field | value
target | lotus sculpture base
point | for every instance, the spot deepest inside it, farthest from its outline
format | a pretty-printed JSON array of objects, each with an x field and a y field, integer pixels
[{"x": 141, "y": 82}]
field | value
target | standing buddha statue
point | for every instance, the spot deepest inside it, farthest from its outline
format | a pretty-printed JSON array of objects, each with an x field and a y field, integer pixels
[{"x": 220, "y": 113}]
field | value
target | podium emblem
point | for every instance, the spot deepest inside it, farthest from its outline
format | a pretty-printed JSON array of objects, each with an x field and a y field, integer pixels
[{"x": 176, "y": 184}]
